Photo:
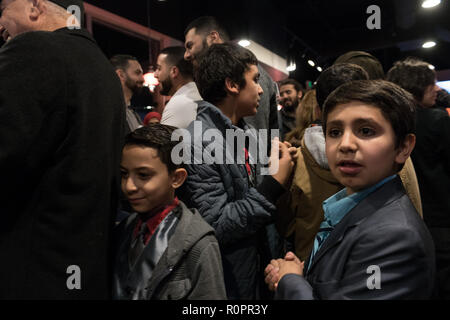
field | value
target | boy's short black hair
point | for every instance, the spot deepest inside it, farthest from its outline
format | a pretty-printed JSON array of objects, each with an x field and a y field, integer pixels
[
  {"x": 222, "y": 61},
  {"x": 204, "y": 25},
  {"x": 366, "y": 61},
  {"x": 396, "y": 105},
  {"x": 175, "y": 57},
  {"x": 413, "y": 75},
  {"x": 156, "y": 136},
  {"x": 334, "y": 76}
]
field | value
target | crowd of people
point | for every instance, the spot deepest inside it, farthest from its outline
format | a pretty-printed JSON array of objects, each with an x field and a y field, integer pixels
[{"x": 341, "y": 194}]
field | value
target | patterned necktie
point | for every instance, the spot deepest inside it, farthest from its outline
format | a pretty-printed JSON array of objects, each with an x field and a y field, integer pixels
[{"x": 137, "y": 245}]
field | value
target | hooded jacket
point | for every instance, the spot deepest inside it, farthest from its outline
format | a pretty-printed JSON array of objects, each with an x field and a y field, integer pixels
[{"x": 189, "y": 267}]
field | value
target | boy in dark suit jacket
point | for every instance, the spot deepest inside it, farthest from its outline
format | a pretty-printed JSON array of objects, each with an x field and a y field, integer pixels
[{"x": 372, "y": 243}]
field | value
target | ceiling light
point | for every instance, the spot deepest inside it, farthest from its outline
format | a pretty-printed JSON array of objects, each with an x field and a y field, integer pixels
[
  {"x": 431, "y": 66},
  {"x": 319, "y": 69},
  {"x": 430, "y": 3},
  {"x": 291, "y": 67},
  {"x": 429, "y": 44},
  {"x": 311, "y": 63},
  {"x": 244, "y": 43}
]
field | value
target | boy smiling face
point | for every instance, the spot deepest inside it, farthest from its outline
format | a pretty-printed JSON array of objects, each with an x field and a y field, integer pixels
[{"x": 360, "y": 146}]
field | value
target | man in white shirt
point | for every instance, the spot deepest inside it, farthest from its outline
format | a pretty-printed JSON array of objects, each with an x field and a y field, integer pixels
[{"x": 176, "y": 80}]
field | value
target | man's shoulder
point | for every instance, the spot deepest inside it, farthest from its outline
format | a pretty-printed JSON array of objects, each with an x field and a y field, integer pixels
[{"x": 40, "y": 44}]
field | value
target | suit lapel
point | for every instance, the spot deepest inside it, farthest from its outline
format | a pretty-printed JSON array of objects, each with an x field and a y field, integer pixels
[{"x": 387, "y": 193}]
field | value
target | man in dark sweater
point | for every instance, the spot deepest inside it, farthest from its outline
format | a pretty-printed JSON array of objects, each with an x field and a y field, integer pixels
[{"x": 61, "y": 130}]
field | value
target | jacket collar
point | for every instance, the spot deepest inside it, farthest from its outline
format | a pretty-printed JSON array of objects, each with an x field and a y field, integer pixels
[
  {"x": 77, "y": 32},
  {"x": 381, "y": 197},
  {"x": 214, "y": 117}
]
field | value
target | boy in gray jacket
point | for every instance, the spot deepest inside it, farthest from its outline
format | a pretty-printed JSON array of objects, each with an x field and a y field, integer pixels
[{"x": 164, "y": 251}]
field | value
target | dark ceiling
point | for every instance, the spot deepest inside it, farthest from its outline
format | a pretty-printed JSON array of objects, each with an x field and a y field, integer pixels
[
  {"x": 301, "y": 29},
  {"x": 317, "y": 29}
]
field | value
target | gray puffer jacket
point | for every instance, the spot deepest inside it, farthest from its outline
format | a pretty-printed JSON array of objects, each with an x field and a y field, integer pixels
[{"x": 225, "y": 197}]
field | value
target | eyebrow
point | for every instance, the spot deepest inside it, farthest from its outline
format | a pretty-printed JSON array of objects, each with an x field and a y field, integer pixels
[
  {"x": 139, "y": 168},
  {"x": 356, "y": 121}
]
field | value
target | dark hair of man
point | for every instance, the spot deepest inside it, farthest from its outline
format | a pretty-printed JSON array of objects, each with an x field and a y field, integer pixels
[
  {"x": 204, "y": 25},
  {"x": 121, "y": 61},
  {"x": 222, "y": 61},
  {"x": 396, "y": 105},
  {"x": 366, "y": 61},
  {"x": 175, "y": 57},
  {"x": 156, "y": 136},
  {"x": 413, "y": 75},
  {"x": 298, "y": 87},
  {"x": 334, "y": 76}
]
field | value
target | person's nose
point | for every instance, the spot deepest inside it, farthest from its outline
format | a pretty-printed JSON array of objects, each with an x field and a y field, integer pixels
[
  {"x": 128, "y": 185},
  {"x": 187, "y": 55},
  {"x": 348, "y": 142},
  {"x": 260, "y": 90}
]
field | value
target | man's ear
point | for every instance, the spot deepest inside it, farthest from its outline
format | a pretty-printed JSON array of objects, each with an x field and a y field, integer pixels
[
  {"x": 213, "y": 37},
  {"x": 37, "y": 7},
  {"x": 404, "y": 150},
  {"x": 174, "y": 72},
  {"x": 300, "y": 94},
  {"x": 231, "y": 86},
  {"x": 121, "y": 74},
  {"x": 178, "y": 177}
]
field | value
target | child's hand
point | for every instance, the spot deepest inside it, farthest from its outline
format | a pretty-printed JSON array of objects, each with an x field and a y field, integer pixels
[
  {"x": 281, "y": 162},
  {"x": 280, "y": 267}
]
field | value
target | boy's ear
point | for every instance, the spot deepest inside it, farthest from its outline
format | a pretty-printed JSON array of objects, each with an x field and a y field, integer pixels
[
  {"x": 231, "y": 86},
  {"x": 404, "y": 150},
  {"x": 178, "y": 177}
]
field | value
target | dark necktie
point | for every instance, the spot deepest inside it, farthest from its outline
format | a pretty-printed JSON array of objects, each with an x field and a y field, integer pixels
[{"x": 138, "y": 245}]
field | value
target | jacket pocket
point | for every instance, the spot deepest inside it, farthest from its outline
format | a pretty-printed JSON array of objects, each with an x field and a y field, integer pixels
[{"x": 175, "y": 290}]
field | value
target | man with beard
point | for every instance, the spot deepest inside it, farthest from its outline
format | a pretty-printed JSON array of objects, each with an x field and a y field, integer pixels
[
  {"x": 176, "y": 80},
  {"x": 290, "y": 94},
  {"x": 131, "y": 77}
]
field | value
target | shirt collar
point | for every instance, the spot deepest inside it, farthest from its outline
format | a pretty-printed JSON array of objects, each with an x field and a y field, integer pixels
[{"x": 337, "y": 206}]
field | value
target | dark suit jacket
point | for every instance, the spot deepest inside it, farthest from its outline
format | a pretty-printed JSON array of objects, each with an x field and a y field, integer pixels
[
  {"x": 61, "y": 133},
  {"x": 384, "y": 231}
]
